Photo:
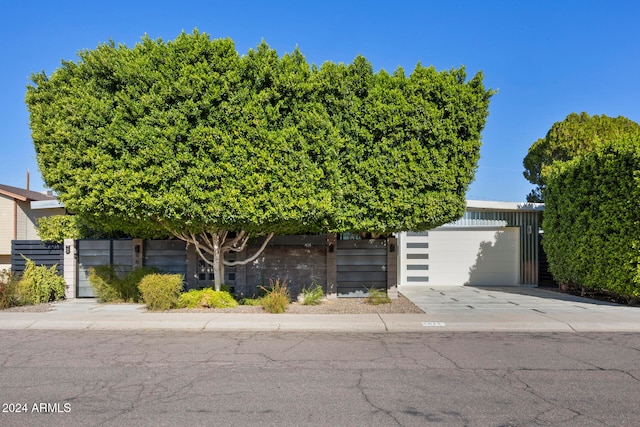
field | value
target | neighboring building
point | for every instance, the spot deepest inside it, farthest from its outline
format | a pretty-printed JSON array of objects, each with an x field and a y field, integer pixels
[
  {"x": 493, "y": 244},
  {"x": 19, "y": 212}
]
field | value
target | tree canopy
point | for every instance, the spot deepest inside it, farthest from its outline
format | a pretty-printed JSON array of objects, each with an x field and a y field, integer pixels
[
  {"x": 577, "y": 134},
  {"x": 191, "y": 139}
]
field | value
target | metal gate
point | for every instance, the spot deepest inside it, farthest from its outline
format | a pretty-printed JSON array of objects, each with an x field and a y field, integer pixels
[
  {"x": 361, "y": 265},
  {"x": 168, "y": 256},
  {"x": 92, "y": 253}
]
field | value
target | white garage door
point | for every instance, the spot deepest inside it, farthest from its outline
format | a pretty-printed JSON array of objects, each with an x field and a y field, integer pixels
[{"x": 459, "y": 257}]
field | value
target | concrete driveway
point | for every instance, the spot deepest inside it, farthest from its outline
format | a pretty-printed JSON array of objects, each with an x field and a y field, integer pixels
[
  {"x": 464, "y": 299},
  {"x": 517, "y": 309}
]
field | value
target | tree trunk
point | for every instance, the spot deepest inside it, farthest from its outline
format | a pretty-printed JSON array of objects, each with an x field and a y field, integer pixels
[
  {"x": 218, "y": 265},
  {"x": 216, "y": 245}
]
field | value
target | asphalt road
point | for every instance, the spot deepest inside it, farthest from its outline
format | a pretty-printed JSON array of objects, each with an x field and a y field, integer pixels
[{"x": 160, "y": 378}]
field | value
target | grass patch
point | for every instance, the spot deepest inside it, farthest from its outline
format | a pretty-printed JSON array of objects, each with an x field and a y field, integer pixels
[
  {"x": 377, "y": 297},
  {"x": 254, "y": 302},
  {"x": 313, "y": 295},
  {"x": 276, "y": 298}
]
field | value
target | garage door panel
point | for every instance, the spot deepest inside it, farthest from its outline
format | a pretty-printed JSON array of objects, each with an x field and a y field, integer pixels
[{"x": 458, "y": 257}]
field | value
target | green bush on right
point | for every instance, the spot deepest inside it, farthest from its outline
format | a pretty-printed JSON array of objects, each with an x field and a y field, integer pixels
[
  {"x": 161, "y": 291},
  {"x": 591, "y": 219}
]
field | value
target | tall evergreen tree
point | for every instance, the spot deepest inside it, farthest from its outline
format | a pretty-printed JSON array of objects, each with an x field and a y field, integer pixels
[{"x": 188, "y": 138}]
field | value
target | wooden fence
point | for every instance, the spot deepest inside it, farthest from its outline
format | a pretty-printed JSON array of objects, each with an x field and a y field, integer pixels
[{"x": 47, "y": 254}]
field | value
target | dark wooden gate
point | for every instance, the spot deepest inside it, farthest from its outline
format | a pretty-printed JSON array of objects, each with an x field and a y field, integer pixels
[
  {"x": 168, "y": 256},
  {"x": 361, "y": 265}
]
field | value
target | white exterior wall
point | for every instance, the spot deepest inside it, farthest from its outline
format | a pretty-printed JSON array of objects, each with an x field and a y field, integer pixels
[
  {"x": 70, "y": 268},
  {"x": 28, "y": 220}
]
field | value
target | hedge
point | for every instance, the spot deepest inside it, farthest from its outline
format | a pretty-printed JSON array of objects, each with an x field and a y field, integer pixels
[{"x": 592, "y": 220}]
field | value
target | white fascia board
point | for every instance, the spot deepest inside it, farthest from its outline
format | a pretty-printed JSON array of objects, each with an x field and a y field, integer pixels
[
  {"x": 46, "y": 204},
  {"x": 505, "y": 206}
]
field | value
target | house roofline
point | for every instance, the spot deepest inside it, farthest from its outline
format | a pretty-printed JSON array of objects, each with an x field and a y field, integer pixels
[
  {"x": 13, "y": 195},
  {"x": 23, "y": 195},
  {"x": 504, "y": 206}
]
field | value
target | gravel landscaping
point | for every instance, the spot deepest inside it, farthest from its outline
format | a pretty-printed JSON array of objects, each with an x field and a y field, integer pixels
[
  {"x": 401, "y": 305},
  {"x": 38, "y": 308}
]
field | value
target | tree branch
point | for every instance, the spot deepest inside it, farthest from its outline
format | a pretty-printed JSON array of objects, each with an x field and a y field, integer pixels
[
  {"x": 256, "y": 255},
  {"x": 231, "y": 245},
  {"x": 206, "y": 238},
  {"x": 202, "y": 257},
  {"x": 208, "y": 245}
]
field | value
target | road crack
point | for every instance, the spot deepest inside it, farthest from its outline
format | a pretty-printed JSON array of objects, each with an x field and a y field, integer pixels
[{"x": 366, "y": 398}]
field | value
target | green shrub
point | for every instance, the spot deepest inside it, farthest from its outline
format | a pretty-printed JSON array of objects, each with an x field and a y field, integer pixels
[
  {"x": 102, "y": 279},
  {"x": 378, "y": 296},
  {"x": 8, "y": 289},
  {"x": 111, "y": 284},
  {"x": 190, "y": 299},
  {"x": 40, "y": 284},
  {"x": 129, "y": 290},
  {"x": 591, "y": 233},
  {"x": 161, "y": 291},
  {"x": 276, "y": 297},
  {"x": 312, "y": 296},
  {"x": 207, "y": 297},
  {"x": 252, "y": 301},
  {"x": 56, "y": 228}
]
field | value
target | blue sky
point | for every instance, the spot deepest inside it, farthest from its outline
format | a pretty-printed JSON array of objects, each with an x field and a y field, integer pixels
[{"x": 546, "y": 58}]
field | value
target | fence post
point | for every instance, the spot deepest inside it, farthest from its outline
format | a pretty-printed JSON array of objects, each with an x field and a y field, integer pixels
[
  {"x": 192, "y": 267},
  {"x": 70, "y": 269},
  {"x": 332, "y": 266},
  {"x": 137, "y": 251},
  {"x": 392, "y": 267},
  {"x": 240, "y": 285}
]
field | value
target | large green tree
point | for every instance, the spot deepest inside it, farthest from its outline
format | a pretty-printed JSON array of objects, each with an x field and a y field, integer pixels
[
  {"x": 577, "y": 134},
  {"x": 190, "y": 139}
]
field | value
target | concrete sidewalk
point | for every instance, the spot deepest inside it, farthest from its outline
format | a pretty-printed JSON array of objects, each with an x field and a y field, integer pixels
[{"x": 446, "y": 309}]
